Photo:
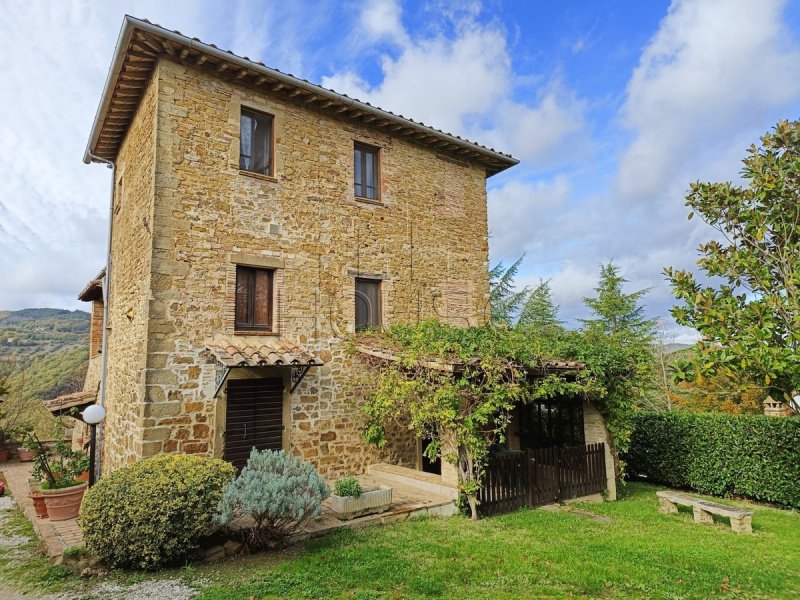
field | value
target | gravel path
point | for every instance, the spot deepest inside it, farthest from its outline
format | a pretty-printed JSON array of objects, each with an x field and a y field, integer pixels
[{"x": 155, "y": 589}]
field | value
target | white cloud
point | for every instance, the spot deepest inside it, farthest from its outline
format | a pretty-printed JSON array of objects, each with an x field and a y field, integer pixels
[
  {"x": 539, "y": 132},
  {"x": 521, "y": 217},
  {"x": 463, "y": 83},
  {"x": 439, "y": 81},
  {"x": 380, "y": 19},
  {"x": 712, "y": 71}
]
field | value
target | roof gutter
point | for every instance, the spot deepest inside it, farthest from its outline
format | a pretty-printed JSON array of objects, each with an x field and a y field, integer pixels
[{"x": 131, "y": 23}]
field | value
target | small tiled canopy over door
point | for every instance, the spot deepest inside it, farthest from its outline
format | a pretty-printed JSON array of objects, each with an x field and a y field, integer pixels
[{"x": 254, "y": 417}]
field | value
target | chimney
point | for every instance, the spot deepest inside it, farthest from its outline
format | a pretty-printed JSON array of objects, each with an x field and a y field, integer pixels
[{"x": 773, "y": 408}]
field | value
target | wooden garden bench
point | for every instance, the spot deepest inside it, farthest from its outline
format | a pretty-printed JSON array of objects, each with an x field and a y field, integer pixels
[{"x": 741, "y": 519}]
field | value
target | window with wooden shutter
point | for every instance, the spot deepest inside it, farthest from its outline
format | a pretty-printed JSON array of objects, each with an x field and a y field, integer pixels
[
  {"x": 254, "y": 299},
  {"x": 255, "y": 142},
  {"x": 368, "y": 304},
  {"x": 366, "y": 172}
]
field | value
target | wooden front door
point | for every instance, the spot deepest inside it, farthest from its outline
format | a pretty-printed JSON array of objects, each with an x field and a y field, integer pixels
[{"x": 254, "y": 418}]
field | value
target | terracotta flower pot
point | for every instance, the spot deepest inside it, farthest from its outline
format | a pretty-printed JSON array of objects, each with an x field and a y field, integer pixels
[
  {"x": 3, "y": 455},
  {"x": 39, "y": 504},
  {"x": 64, "y": 503},
  {"x": 84, "y": 476},
  {"x": 26, "y": 455}
]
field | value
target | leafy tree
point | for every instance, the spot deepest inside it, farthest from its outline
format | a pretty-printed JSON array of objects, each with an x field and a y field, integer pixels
[
  {"x": 750, "y": 322},
  {"x": 719, "y": 394},
  {"x": 539, "y": 313},
  {"x": 504, "y": 298}
]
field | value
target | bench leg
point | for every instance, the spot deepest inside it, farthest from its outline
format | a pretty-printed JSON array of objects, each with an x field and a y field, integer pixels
[
  {"x": 701, "y": 516},
  {"x": 743, "y": 525},
  {"x": 666, "y": 507}
]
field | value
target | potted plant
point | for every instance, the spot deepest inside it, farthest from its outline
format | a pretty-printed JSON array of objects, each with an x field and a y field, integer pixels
[
  {"x": 26, "y": 452},
  {"x": 36, "y": 496},
  {"x": 351, "y": 500},
  {"x": 61, "y": 489}
]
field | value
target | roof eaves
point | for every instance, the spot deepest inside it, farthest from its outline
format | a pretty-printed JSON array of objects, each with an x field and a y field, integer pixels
[{"x": 131, "y": 24}]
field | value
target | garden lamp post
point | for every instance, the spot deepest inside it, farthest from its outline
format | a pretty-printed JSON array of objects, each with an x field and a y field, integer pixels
[{"x": 92, "y": 416}]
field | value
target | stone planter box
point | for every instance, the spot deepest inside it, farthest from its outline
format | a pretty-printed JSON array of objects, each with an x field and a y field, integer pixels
[{"x": 371, "y": 501}]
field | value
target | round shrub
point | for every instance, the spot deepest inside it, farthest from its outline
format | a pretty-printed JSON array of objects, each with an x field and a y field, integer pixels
[
  {"x": 278, "y": 491},
  {"x": 154, "y": 512}
]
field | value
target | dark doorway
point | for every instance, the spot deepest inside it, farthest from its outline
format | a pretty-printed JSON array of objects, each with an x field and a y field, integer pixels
[
  {"x": 428, "y": 465},
  {"x": 254, "y": 418}
]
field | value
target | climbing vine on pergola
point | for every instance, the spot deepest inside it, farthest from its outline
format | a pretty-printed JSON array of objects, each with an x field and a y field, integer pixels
[{"x": 454, "y": 386}]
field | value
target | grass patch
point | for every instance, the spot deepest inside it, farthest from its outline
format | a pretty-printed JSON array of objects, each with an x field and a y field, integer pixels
[
  {"x": 531, "y": 553},
  {"x": 26, "y": 566}
]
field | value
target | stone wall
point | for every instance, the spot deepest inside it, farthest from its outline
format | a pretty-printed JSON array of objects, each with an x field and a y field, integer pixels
[
  {"x": 96, "y": 329},
  {"x": 426, "y": 241},
  {"x": 131, "y": 246},
  {"x": 594, "y": 431}
]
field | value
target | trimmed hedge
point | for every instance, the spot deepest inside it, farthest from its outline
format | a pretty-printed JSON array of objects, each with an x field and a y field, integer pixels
[
  {"x": 154, "y": 512},
  {"x": 723, "y": 455}
]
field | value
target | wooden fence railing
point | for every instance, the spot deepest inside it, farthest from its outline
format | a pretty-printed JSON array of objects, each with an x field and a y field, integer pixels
[{"x": 541, "y": 476}]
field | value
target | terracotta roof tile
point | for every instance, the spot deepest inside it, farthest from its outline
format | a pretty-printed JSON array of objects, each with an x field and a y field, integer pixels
[
  {"x": 258, "y": 351},
  {"x": 79, "y": 400}
]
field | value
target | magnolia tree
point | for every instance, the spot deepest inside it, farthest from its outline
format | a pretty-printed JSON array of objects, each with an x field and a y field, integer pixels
[{"x": 750, "y": 322}]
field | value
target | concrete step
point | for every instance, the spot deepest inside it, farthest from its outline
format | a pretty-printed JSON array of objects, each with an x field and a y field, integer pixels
[{"x": 412, "y": 478}]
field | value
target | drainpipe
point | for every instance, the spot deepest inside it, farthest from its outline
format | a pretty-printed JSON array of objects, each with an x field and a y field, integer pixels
[{"x": 106, "y": 305}]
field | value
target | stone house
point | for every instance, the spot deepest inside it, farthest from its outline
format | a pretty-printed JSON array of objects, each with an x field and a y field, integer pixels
[{"x": 257, "y": 220}]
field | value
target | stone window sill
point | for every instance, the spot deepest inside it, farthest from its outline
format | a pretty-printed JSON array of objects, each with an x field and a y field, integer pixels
[
  {"x": 254, "y": 332},
  {"x": 269, "y": 178},
  {"x": 373, "y": 201}
]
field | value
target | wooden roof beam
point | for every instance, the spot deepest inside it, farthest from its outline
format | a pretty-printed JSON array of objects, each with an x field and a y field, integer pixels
[
  {"x": 168, "y": 47},
  {"x": 201, "y": 59},
  {"x": 154, "y": 46}
]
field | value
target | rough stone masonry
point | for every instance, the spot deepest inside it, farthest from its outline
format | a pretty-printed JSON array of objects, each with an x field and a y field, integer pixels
[{"x": 184, "y": 216}]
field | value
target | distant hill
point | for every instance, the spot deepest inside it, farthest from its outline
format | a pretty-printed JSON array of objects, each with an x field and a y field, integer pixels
[
  {"x": 671, "y": 348},
  {"x": 43, "y": 354},
  {"x": 31, "y": 331}
]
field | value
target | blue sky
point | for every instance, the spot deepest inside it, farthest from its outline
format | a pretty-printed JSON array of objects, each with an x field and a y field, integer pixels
[{"x": 613, "y": 108}]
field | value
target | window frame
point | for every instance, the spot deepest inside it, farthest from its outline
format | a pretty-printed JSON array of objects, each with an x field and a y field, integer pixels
[
  {"x": 377, "y": 283},
  {"x": 366, "y": 149},
  {"x": 240, "y": 326},
  {"x": 255, "y": 113}
]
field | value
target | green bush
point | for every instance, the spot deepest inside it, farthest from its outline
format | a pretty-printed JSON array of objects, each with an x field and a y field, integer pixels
[
  {"x": 348, "y": 486},
  {"x": 154, "y": 512},
  {"x": 278, "y": 491},
  {"x": 744, "y": 455}
]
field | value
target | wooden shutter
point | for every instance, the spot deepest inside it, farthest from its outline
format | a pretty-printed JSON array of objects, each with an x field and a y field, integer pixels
[
  {"x": 368, "y": 303},
  {"x": 254, "y": 418},
  {"x": 254, "y": 298}
]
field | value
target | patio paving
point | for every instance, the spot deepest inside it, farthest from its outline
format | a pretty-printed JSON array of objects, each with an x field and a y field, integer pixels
[{"x": 408, "y": 501}]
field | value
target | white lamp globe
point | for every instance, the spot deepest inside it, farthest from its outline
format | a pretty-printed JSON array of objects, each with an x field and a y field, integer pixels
[{"x": 94, "y": 414}]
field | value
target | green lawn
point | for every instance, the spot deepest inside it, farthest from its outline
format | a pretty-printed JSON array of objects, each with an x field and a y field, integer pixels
[
  {"x": 635, "y": 552},
  {"x": 533, "y": 554}
]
